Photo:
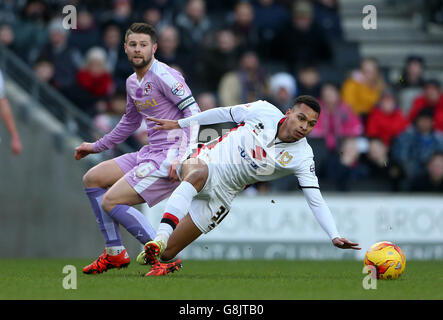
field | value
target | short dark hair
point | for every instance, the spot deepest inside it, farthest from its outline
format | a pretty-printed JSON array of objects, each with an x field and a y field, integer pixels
[
  {"x": 141, "y": 27},
  {"x": 310, "y": 101}
]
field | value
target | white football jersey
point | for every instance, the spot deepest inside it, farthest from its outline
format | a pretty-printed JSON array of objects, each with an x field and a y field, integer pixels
[{"x": 252, "y": 152}]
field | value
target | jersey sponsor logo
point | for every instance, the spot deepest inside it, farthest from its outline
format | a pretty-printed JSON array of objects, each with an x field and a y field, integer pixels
[
  {"x": 178, "y": 89},
  {"x": 143, "y": 105},
  {"x": 258, "y": 153},
  {"x": 247, "y": 158},
  {"x": 285, "y": 158},
  {"x": 148, "y": 88}
]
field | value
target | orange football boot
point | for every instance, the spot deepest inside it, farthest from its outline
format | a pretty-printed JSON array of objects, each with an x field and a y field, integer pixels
[
  {"x": 105, "y": 262},
  {"x": 162, "y": 269}
]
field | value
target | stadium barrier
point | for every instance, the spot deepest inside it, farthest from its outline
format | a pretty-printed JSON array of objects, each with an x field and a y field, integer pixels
[{"x": 283, "y": 227}]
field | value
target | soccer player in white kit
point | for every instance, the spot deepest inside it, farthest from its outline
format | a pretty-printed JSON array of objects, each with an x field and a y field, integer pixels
[{"x": 266, "y": 145}]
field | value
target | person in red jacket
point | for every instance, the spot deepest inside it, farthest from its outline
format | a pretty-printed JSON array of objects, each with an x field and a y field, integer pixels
[
  {"x": 431, "y": 97},
  {"x": 386, "y": 120},
  {"x": 94, "y": 77}
]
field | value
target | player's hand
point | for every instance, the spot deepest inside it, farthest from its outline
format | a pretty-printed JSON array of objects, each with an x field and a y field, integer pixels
[
  {"x": 172, "y": 171},
  {"x": 344, "y": 243},
  {"x": 164, "y": 124},
  {"x": 83, "y": 150},
  {"x": 16, "y": 145}
]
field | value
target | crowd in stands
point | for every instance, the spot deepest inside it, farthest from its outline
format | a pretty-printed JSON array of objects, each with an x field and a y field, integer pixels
[{"x": 232, "y": 52}]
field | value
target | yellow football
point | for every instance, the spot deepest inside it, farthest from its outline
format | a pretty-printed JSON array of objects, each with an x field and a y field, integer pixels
[{"x": 387, "y": 259}]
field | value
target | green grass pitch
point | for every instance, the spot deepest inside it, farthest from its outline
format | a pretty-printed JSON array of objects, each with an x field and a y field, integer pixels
[{"x": 210, "y": 280}]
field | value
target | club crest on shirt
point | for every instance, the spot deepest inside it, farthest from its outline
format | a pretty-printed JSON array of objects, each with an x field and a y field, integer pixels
[
  {"x": 178, "y": 89},
  {"x": 148, "y": 88},
  {"x": 285, "y": 158}
]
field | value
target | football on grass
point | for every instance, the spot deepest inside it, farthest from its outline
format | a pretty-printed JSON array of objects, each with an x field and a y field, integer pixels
[{"x": 387, "y": 259}]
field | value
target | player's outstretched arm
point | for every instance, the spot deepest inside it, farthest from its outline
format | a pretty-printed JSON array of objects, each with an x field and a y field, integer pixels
[
  {"x": 8, "y": 119},
  {"x": 217, "y": 115},
  {"x": 325, "y": 219},
  {"x": 83, "y": 150}
]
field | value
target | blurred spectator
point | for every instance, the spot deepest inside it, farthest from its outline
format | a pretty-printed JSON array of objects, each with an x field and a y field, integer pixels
[
  {"x": 326, "y": 15},
  {"x": 118, "y": 64},
  {"x": 30, "y": 31},
  {"x": 121, "y": 14},
  {"x": 362, "y": 90},
  {"x": 243, "y": 26},
  {"x": 9, "y": 10},
  {"x": 219, "y": 60},
  {"x": 107, "y": 120},
  {"x": 337, "y": 120},
  {"x": 345, "y": 166},
  {"x": 302, "y": 41},
  {"x": 270, "y": 18},
  {"x": 153, "y": 16},
  {"x": 193, "y": 25},
  {"x": 206, "y": 101},
  {"x": 7, "y": 37},
  {"x": 308, "y": 81},
  {"x": 87, "y": 33},
  {"x": 94, "y": 81},
  {"x": 112, "y": 43},
  {"x": 411, "y": 82},
  {"x": 412, "y": 75},
  {"x": 386, "y": 120},
  {"x": 65, "y": 58},
  {"x": 432, "y": 179},
  {"x": 248, "y": 83},
  {"x": 94, "y": 76},
  {"x": 168, "y": 52},
  {"x": 431, "y": 97},
  {"x": 283, "y": 90},
  {"x": 375, "y": 162},
  {"x": 412, "y": 149},
  {"x": 44, "y": 70},
  {"x": 434, "y": 11},
  {"x": 378, "y": 155}
]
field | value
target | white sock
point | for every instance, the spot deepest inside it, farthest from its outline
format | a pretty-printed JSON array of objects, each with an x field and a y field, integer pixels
[
  {"x": 113, "y": 251},
  {"x": 176, "y": 208}
]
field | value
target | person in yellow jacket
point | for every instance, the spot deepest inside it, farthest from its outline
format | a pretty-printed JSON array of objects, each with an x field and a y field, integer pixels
[{"x": 362, "y": 90}]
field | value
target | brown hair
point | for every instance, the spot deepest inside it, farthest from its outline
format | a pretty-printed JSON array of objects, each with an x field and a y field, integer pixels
[{"x": 140, "y": 27}]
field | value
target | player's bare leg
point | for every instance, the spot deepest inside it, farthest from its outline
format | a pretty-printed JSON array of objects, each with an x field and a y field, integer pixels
[
  {"x": 103, "y": 175},
  {"x": 194, "y": 173},
  {"x": 183, "y": 235}
]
